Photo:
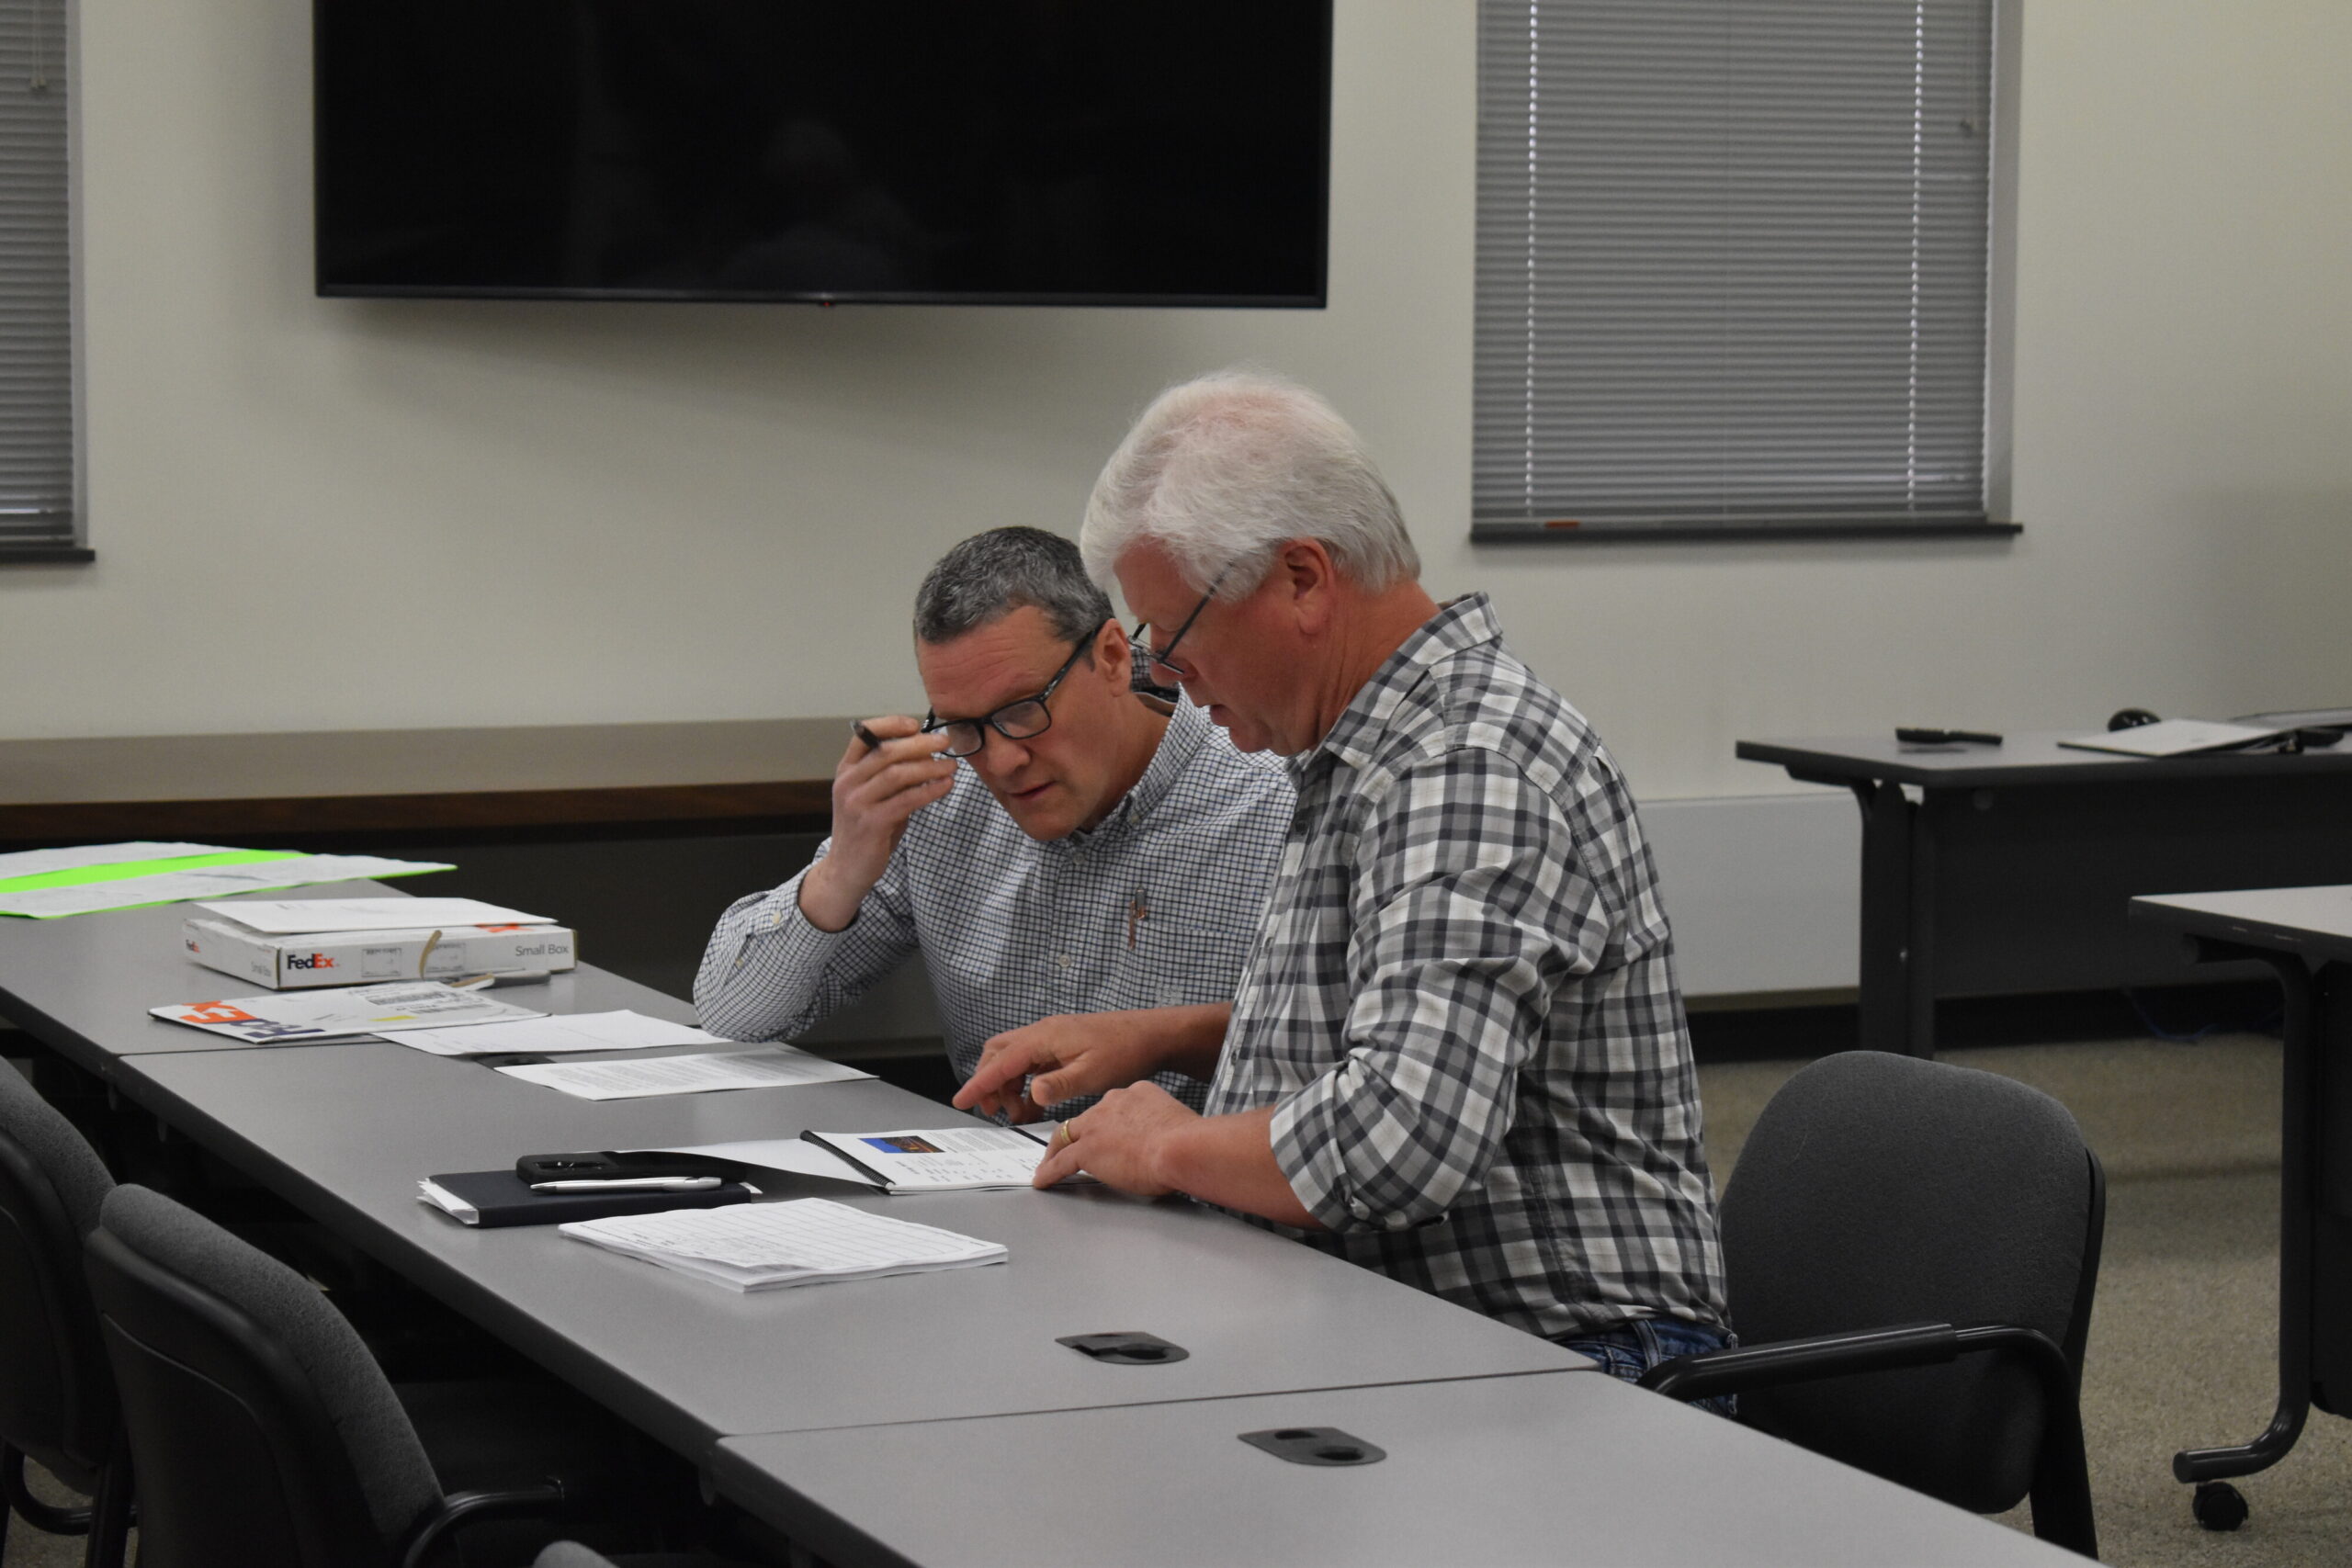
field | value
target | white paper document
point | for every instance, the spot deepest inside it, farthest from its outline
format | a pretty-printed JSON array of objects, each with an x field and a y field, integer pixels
[
  {"x": 211, "y": 882},
  {"x": 308, "y": 916},
  {"x": 431, "y": 1192},
  {"x": 2173, "y": 737},
  {"x": 779, "y": 1067},
  {"x": 341, "y": 1013},
  {"x": 801, "y": 1241},
  {"x": 42, "y": 863},
  {"x": 553, "y": 1036},
  {"x": 940, "y": 1159}
]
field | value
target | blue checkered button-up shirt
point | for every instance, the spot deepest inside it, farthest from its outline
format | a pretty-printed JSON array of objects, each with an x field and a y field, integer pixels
[
  {"x": 1464, "y": 1005},
  {"x": 1155, "y": 906}
]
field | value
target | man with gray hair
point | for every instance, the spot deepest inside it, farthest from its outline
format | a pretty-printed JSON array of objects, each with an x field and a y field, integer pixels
[
  {"x": 1097, "y": 852},
  {"x": 1458, "y": 1054}
]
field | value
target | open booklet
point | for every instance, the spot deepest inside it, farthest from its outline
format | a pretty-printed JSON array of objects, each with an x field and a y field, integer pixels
[
  {"x": 802, "y": 1241},
  {"x": 933, "y": 1159}
]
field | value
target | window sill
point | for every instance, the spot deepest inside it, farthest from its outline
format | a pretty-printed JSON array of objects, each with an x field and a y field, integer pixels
[
  {"x": 46, "y": 555},
  {"x": 1730, "y": 533}
]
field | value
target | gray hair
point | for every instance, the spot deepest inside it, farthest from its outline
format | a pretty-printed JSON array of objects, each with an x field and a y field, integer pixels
[
  {"x": 1222, "y": 470},
  {"x": 992, "y": 574}
]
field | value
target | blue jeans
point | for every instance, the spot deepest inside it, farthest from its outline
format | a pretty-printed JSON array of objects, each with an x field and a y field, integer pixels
[{"x": 1632, "y": 1349}]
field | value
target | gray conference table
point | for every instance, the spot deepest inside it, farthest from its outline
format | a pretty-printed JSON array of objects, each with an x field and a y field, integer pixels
[
  {"x": 1543, "y": 1469},
  {"x": 1999, "y": 869},
  {"x": 2304, "y": 936},
  {"x": 344, "y": 1132}
]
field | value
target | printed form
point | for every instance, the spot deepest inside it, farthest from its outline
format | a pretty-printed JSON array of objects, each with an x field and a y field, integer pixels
[
  {"x": 779, "y": 1067},
  {"x": 622, "y": 1030}
]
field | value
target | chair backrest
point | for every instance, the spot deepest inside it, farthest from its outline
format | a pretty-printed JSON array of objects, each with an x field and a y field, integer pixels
[
  {"x": 57, "y": 1399},
  {"x": 1878, "y": 1189},
  {"x": 260, "y": 1429}
]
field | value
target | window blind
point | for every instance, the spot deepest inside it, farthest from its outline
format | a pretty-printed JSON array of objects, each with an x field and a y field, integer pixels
[
  {"x": 36, "y": 509},
  {"x": 1731, "y": 262}
]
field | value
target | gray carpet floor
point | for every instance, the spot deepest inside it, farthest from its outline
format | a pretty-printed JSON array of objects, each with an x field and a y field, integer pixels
[{"x": 2183, "y": 1343}]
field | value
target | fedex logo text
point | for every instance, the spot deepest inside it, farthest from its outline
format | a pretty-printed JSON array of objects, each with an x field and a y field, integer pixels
[{"x": 310, "y": 961}]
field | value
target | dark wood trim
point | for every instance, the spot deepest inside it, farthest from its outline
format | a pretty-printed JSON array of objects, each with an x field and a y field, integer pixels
[
  {"x": 428, "y": 785},
  {"x": 798, "y": 801},
  {"x": 46, "y": 555}
]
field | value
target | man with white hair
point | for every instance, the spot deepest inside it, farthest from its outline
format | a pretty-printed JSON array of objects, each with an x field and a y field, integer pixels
[{"x": 1458, "y": 1052}]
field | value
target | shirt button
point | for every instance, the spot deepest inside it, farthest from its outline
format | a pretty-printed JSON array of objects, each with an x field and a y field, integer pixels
[
  {"x": 1359, "y": 1208},
  {"x": 1061, "y": 960}
]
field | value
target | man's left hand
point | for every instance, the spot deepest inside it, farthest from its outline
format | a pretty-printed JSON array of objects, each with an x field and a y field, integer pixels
[{"x": 1117, "y": 1141}]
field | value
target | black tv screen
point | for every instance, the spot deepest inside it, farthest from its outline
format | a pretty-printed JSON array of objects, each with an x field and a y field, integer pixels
[{"x": 1012, "y": 151}]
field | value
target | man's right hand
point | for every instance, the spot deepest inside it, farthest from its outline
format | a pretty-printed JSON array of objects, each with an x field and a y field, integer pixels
[
  {"x": 1089, "y": 1053},
  {"x": 876, "y": 790}
]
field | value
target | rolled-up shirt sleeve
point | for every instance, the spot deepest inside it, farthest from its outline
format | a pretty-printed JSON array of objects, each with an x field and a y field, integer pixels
[
  {"x": 768, "y": 974},
  {"x": 1469, "y": 911}
]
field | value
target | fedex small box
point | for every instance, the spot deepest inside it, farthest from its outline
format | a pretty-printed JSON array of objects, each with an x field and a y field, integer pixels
[{"x": 354, "y": 958}]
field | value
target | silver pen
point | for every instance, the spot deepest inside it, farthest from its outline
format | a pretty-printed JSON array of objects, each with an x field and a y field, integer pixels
[{"x": 632, "y": 1184}]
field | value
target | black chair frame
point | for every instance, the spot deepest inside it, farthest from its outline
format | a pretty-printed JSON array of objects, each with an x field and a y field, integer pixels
[
  {"x": 2061, "y": 1491},
  {"x": 38, "y": 1243},
  {"x": 181, "y": 1328}
]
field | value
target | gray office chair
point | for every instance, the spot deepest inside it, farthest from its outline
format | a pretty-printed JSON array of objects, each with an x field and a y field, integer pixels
[
  {"x": 1912, "y": 1249},
  {"x": 57, "y": 1397},
  {"x": 262, "y": 1432}
]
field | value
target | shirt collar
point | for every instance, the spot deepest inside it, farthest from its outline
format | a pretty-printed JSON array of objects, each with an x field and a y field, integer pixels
[
  {"x": 1460, "y": 624},
  {"x": 1188, "y": 729}
]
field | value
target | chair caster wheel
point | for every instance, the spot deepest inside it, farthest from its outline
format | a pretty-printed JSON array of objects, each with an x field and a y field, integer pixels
[{"x": 2218, "y": 1505}]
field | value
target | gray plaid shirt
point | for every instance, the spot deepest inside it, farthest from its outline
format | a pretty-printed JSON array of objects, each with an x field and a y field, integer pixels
[
  {"x": 1464, "y": 1005},
  {"x": 1155, "y": 906}
]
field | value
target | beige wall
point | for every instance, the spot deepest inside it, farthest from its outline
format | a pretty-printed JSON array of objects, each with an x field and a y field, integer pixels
[{"x": 349, "y": 514}]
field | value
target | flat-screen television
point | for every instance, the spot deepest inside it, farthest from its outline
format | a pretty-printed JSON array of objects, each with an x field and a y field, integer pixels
[{"x": 977, "y": 152}]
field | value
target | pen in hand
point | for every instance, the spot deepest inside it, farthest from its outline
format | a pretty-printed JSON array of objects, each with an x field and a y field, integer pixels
[{"x": 873, "y": 742}]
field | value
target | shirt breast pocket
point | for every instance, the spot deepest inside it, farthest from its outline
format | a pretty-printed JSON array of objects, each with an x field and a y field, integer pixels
[{"x": 1163, "y": 963}]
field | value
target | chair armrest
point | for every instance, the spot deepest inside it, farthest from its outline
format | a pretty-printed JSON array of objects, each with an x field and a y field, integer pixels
[
  {"x": 1716, "y": 1373},
  {"x": 460, "y": 1509}
]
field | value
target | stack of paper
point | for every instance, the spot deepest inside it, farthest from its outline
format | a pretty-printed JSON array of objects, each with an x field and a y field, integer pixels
[
  {"x": 311, "y": 1016},
  {"x": 779, "y": 1067},
  {"x": 804, "y": 1241},
  {"x": 45, "y": 885}
]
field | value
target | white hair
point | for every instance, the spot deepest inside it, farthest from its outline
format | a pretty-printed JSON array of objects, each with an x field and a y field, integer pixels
[{"x": 1221, "y": 470}]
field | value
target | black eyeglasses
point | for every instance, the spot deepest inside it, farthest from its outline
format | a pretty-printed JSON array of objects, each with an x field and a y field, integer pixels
[
  {"x": 1163, "y": 660},
  {"x": 1020, "y": 720}
]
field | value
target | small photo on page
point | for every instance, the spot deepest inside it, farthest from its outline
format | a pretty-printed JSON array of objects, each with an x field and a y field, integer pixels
[{"x": 906, "y": 1144}]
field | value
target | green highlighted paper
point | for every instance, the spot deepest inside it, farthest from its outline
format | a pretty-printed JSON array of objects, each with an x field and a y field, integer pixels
[
  {"x": 50, "y": 883},
  {"x": 81, "y": 875}
]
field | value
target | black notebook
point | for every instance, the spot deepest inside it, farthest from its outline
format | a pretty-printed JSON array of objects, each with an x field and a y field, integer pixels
[{"x": 493, "y": 1198}]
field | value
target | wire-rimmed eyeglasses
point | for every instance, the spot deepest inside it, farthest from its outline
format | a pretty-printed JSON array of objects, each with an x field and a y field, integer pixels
[{"x": 1163, "y": 660}]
